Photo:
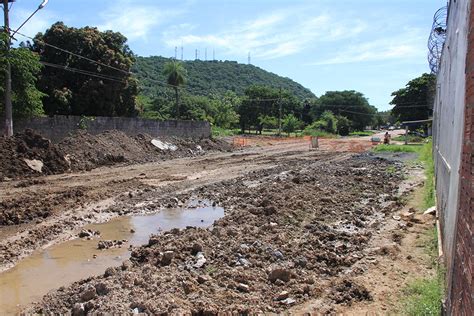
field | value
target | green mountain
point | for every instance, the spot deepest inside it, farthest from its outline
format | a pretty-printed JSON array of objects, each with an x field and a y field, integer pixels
[{"x": 207, "y": 77}]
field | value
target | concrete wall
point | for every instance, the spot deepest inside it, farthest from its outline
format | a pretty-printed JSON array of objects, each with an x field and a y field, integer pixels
[
  {"x": 448, "y": 132},
  {"x": 58, "y": 127}
]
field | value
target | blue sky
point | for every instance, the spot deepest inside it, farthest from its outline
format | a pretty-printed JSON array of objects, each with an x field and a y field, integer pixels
[{"x": 372, "y": 46}]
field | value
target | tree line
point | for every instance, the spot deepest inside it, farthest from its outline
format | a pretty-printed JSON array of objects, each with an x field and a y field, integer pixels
[{"x": 83, "y": 71}]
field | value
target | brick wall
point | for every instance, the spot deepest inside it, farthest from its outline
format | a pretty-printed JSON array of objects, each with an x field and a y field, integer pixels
[
  {"x": 461, "y": 300},
  {"x": 57, "y": 127}
]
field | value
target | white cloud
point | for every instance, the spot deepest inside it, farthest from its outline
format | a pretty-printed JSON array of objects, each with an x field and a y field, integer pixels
[
  {"x": 274, "y": 35},
  {"x": 406, "y": 46},
  {"x": 133, "y": 20}
]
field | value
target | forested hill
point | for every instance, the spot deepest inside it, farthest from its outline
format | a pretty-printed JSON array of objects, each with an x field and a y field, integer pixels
[{"x": 207, "y": 77}]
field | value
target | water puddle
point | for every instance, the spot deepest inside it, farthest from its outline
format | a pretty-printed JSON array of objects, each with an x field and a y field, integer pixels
[{"x": 62, "y": 264}]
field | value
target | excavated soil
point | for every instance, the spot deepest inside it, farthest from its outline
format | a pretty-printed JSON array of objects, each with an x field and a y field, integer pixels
[
  {"x": 290, "y": 234},
  {"x": 31, "y": 146},
  {"x": 84, "y": 151}
]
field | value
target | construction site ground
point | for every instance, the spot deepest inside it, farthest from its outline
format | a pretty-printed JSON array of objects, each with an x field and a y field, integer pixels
[{"x": 325, "y": 230}]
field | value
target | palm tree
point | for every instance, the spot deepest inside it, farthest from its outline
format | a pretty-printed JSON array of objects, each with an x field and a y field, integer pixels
[{"x": 176, "y": 76}]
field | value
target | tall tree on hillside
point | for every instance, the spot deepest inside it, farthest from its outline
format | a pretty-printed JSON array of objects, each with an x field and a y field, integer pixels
[
  {"x": 414, "y": 102},
  {"x": 99, "y": 84},
  {"x": 176, "y": 76}
]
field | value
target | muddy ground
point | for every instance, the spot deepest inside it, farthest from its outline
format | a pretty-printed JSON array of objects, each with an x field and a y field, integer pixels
[
  {"x": 302, "y": 231},
  {"x": 286, "y": 231}
]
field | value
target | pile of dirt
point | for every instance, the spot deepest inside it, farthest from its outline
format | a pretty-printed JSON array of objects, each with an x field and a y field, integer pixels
[
  {"x": 22, "y": 154},
  {"x": 290, "y": 234},
  {"x": 86, "y": 151},
  {"x": 29, "y": 154}
]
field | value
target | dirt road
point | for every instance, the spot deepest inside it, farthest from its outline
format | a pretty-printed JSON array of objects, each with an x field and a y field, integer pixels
[{"x": 310, "y": 208}]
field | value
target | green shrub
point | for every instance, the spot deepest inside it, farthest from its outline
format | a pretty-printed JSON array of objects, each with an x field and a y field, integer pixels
[
  {"x": 361, "y": 133},
  {"x": 411, "y": 138},
  {"x": 220, "y": 132},
  {"x": 397, "y": 148}
]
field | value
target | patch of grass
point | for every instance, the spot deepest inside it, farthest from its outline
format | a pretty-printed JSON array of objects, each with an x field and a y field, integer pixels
[
  {"x": 426, "y": 157},
  {"x": 423, "y": 297},
  {"x": 411, "y": 139},
  {"x": 319, "y": 133},
  {"x": 219, "y": 132},
  {"x": 397, "y": 148},
  {"x": 362, "y": 133}
]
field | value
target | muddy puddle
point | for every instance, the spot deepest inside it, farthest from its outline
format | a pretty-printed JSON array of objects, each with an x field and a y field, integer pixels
[{"x": 62, "y": 264}]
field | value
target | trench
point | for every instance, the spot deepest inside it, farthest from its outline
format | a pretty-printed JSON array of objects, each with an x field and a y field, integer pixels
[{"x": 76, "y": 259}]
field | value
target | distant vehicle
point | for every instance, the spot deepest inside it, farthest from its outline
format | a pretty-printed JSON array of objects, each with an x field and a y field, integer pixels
[{"x": 391, "y": 128}]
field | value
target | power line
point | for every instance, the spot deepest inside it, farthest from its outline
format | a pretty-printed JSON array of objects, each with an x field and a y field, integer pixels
[
  {"x": 90, "y": 60},
  {"x": 83, "y": 72},
  {"x": 74, "y": 54}
]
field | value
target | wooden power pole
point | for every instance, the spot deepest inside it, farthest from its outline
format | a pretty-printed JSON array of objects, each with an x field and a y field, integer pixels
[{"x": 8, "y": 78}]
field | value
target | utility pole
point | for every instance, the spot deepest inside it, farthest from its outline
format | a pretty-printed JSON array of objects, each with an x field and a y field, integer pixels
[
  {"x": 181, "y": 53},
  {"x": 279, "y": 114},
  {"x": 8, "y": 78},
  {"x": 205, "y": 54}
]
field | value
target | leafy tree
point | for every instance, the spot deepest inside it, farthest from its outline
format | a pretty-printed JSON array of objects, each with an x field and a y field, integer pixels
[
  {"x": 226, "y": 114},
  {"x": 268, "y": 121},
  {"x": 263, "y": 101},
  {"x": 414, "y": 102},
  {"x": 380, "y": 120},
  {"x": 25, "y": 67},
  {"x": 352, "y": 104},
  {"x": 343, "y": 125},
  {"x": 290, "y": 123},
  {"x": 175, "y": 76},
  {"x": 87, "y": 88},
  {"x": 328, "y": 122},
  {"x": 260, "y": 101}
]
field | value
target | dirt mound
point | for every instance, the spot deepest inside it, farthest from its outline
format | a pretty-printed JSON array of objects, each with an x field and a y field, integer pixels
[
  {"x": 86, "y": 151},
  {"x": 29, "y": 148},
  {"x": 29, "y": 154}
]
